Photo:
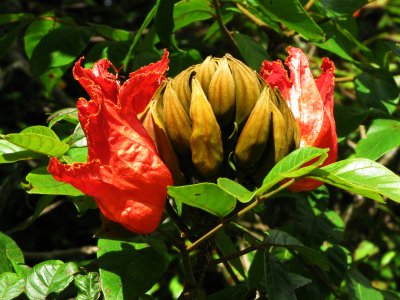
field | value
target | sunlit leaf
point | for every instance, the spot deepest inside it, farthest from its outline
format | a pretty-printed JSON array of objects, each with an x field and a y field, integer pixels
[
  {"x": 10, "y": 153},
  {"x": 291, "y": 163},
  {"x": 207, "y": 196},
  {"x": 382, "y": 136},
  {"x": 49, "y": 277},
  {"x": 9, "y": 251},
  {"x": 362, "y": 176},
  {"x": 11, "y": 286},
  {"x": 235, "y": 189},
  {"x": 88, "y": 286},
  {"x": 40, "y": 139},
  {"x": 41, "y": 182}
]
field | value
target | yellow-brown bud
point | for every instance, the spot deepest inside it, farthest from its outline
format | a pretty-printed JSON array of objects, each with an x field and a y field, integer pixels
[
  {"x": 221, "y": 93},
  {"x": 254, "y": 136},
  {"x": 206, "y": 141},
  {"x": 177, "y": 122}
]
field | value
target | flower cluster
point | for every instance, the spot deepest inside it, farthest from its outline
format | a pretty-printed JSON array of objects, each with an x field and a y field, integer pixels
[{"x": 131, "y": 143}]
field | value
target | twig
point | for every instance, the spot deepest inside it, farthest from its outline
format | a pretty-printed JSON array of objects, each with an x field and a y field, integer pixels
[
  {"x": 184, "y": 230},
  {"x": 236, "y": 254},
  {"x": 239, "y": 214},
  {"x": 228, "y": 267},
  {"x": 344, "y": 79},
  {"x": 223, "y": 28},
  {"x": 309, "y": 4},
  {"x": 85, "y": 250}
]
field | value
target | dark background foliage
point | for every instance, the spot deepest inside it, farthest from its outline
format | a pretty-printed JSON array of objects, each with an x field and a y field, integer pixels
[{"x": 360, "y": 237}]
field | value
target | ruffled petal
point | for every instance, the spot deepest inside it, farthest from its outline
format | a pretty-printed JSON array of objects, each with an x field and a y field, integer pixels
[
  {"x": 275, "y": 74},
  {"x": 137, "y": 91},
  {"x": 97, "y": 77},
  {"x": 135, "y": 202},
  {"x": 311, "y": 102}
]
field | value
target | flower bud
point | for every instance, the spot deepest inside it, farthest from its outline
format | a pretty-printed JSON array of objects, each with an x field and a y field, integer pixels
[
  {"x": 182, "y": 88},
  {"x": 177, "y": 122},
  {"x": 206, "y": 141},
  {"x": 254, "y": 136},
  {"x": 205, "y": 72},
  {"x": 221, "y": 93},
  {"x": 247, "y": 89}
]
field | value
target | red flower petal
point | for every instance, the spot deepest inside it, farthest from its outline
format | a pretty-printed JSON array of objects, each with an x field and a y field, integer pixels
[
  {"x": 311, "y": 102},
  {"x": 137, "y": 91},
  {"x": 124, "y": 174},
  {"x": 97, "y": 77}
]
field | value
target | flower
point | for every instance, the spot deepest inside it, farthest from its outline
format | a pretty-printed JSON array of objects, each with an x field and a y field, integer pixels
[
  {"x": 220, "y": 117},
  {"x": 123, "y": 171},
  {"x": 311, "y": 101}
]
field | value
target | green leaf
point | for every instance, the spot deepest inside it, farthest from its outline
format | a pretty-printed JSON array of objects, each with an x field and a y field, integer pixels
[
  {"x": 225, "y": 244},
  {"x": 341, "y": 8},
  {"x": 41, "y": 182},
  {"x": 10, "y": 153},
  {"x": 267, "y": 274},
  {"x": 253, "y": 53},
  {"x": 360, "y": 288},
  {"x": 111, "y": 33},
  {"x": 9, "y": 252},
  {"x": 378, "y": 90},
  {"x": 11, "y": 286},
  {"x": 365, "y": 249},
  {"x": 40, "y": 139},
  {"x": 298, "y": 281},
  {"x": 291, "y": 163},
  {"x": 277, "y": 279},
  {"x": 236, "y": 292},
  {"x": 235, "y": 189},
  {"x": 348, "y": 119},
  {"x": 164, "y": 21},
  {"x": 207, "y": 196},
  {"x": 382, "y": 136},
  {"x": 279, "y": 238},
  {"x": 49, "y": 277},
  {"x": 362, "y": 176},
  {"x": 11, "y": 18},
  {"x": 112, "y": 50},
  {"x": 60, "y": 47},
  {"x": 37, "y": 30},
  {"x": 88, "y": 286},
  {"x": 292, "y": 14},
  {"x": 313, "y": 225},
  {"x": 187, "y": 12},
  {"x": 128, "y": 270},
  {"x": 69, "y": 114}
]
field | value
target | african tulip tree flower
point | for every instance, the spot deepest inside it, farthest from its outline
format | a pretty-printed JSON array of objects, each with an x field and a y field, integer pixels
[
  {"x": 311, "y": 102},
  {"x": 123, "y": 171}
]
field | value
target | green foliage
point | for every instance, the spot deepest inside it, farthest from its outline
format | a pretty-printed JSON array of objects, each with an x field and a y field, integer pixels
[{"x": 246, "y": 240}]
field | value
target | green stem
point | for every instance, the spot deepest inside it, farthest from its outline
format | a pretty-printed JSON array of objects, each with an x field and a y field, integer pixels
[
  {"x": 223, "y": 28},
  {"x": 249, "y": 207}
]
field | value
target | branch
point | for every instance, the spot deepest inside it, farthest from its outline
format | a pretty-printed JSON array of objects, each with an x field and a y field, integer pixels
[{"x": 238, "y": 214}]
